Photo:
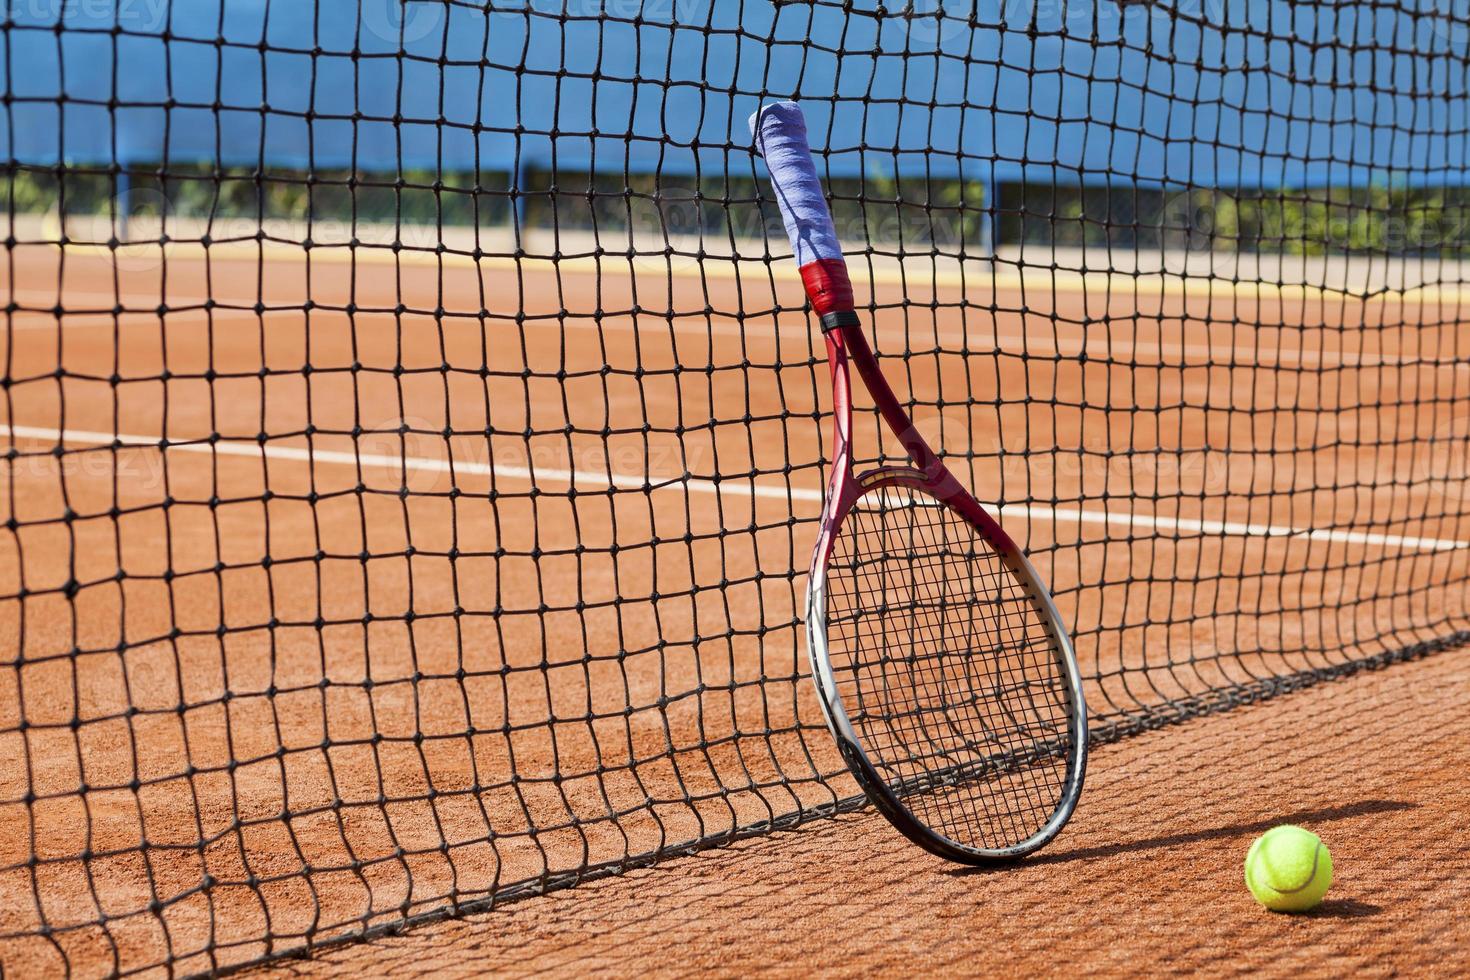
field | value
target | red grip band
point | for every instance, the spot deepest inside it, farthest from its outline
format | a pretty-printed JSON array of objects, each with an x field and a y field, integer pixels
[{"x": 827, "y": 285}]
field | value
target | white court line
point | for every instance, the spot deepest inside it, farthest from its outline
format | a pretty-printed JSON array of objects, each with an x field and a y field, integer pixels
[
  {"x": 750, "y": 489},
  {"x": 1042, "y": 341}
]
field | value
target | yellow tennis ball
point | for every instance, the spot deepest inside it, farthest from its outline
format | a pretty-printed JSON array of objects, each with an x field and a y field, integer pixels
[{"x": 1288, "y": 869}]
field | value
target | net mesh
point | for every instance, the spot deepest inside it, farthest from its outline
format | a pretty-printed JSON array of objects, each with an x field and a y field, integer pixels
[
  {"x": 945, "y": 667},
  {"x": 414, "y": 432}
]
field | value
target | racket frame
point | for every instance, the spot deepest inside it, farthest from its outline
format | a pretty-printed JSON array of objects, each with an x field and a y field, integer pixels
[
  {"x": 780, "y": 135},
  {"x": 847, "y": 347}
]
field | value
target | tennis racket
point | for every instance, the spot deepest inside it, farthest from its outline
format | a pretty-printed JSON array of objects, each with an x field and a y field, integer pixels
[{"x": 945, "y": 673}]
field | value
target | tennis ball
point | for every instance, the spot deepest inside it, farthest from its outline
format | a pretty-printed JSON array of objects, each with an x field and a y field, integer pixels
[{"x": 1288, "y": 869}]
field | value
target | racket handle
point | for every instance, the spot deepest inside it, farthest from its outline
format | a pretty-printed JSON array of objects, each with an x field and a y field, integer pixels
[{"x": 780, "y": 137}]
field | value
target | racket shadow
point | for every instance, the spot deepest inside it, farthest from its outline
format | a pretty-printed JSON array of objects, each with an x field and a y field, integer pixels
[{"x": 1228, "y": 832}]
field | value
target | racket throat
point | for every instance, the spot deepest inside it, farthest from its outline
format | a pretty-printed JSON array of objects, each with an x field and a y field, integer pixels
[{"x": 846, "y": 344}]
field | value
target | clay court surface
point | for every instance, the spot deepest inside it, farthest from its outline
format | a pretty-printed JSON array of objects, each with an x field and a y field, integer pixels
[
  {"x": 310, "y": 689},
  {"x": 1145, "y": 880}
]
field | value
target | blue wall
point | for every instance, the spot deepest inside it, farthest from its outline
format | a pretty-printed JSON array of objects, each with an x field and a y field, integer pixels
[{"x": 1287, "y": 92}]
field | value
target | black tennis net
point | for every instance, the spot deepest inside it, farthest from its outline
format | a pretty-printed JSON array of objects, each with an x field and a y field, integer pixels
[{"x": 414, "y": 436}]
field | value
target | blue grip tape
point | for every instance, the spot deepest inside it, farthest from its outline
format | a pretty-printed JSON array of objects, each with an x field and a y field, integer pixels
[{"x": 780, "y": 137}]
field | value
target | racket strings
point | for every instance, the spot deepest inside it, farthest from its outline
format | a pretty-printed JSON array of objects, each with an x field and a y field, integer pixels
[{"x": 948, "y": 671}]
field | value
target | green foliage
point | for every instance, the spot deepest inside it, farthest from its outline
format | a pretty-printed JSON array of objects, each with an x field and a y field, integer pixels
[
  {"x": 1314, "y": 221},
  {"x": 887, "y": 210},
  {"x": 412, "y": 197}
]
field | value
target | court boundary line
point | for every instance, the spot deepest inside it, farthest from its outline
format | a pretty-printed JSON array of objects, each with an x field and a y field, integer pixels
[
  {"x": 1183, "y": 528},
  {"x": 769, "y": 265}
]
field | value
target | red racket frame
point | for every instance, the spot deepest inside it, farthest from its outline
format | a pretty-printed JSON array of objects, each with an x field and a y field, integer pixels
[{"x": 847, "y": 347}]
